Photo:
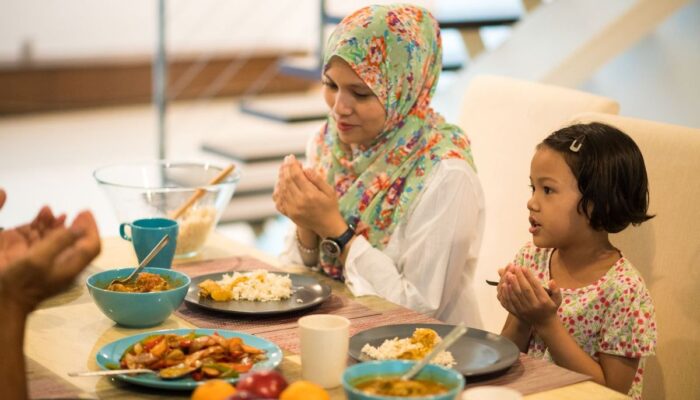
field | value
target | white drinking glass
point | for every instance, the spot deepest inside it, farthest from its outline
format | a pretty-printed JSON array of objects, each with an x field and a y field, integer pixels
[{"x": 324, "y": 348}]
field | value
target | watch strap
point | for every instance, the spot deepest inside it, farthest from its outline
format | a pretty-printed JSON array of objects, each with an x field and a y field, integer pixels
[{"x": 345, "y": 237}]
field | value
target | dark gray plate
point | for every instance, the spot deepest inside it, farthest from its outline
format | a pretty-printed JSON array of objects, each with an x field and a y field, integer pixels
[
  {"x": 477, "y": 352},
  {"x": 307, "y": 292}
]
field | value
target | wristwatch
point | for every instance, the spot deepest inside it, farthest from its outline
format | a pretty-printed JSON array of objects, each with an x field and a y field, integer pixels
[{"x": 334, "y": 246}]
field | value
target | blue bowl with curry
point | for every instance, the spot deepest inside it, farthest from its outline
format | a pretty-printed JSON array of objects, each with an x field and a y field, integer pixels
[
  {"x": 380, "y": 380},
  {"x": 145, "y": 301}
]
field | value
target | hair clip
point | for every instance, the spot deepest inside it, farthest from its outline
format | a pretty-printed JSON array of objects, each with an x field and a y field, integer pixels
[{"x": 576, "y": 145}]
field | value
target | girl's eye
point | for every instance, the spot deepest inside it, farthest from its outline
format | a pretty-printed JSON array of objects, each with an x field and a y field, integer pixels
[
  {"x": 532, "y": 188},
  {"x": 362, "y": 95},
  {"x": 547, "y": 190}
]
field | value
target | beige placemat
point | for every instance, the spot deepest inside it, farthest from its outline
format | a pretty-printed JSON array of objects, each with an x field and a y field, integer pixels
[
  {"x": 529, "y": 375},
  {"x": 44, "y": 384}
]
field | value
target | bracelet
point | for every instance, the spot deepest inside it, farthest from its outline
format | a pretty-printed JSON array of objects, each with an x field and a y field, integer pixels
[{"x": 303, "y": 249}]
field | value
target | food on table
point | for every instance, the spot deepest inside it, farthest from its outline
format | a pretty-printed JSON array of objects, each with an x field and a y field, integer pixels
[
  {"x": 304, "y": 390},
  {"x": 258, "y": 285},
  {"x": 145, "y": 282},
  {"x": 264, "y": 384},
  {"x": 215, "y": 389},
  {"x": 194, "y": 227},
  {"x": 414, "y": 348},
  {"x": 209, "y": 356},
  {"x": 395, "y": 386}
]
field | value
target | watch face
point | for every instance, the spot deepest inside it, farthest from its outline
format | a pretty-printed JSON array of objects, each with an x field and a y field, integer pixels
[{"x": 330, "y": 247}]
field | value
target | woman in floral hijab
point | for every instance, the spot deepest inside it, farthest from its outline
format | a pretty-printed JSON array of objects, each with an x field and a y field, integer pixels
[{"x": 390, "y": 203}]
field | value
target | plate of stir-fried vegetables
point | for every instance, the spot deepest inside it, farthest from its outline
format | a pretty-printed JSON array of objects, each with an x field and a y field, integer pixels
[{"x": 205, "y": 353}]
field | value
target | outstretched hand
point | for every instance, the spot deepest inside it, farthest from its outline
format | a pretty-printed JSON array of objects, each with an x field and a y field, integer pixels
[
  {"x": 304, "y": 196},
  {"x": 15, "y": 242},
  {"x": 523, "y": 296},
  {"x": 42, "y": 258}
]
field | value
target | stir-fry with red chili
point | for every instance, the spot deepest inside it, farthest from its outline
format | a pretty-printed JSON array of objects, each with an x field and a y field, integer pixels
[{"x": 203, "y": 357}]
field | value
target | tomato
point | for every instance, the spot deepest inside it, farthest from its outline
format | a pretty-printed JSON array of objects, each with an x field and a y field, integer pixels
[{"x": 266, "y": 384}]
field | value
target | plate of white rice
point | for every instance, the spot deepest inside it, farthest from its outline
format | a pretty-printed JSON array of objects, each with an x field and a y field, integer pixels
[{"x": 256, "y": 292}]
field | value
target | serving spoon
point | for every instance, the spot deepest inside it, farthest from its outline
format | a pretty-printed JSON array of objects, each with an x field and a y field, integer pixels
[
  {"x": 174, "y": 372},
  {"x": 451, "y": 337},
  {"x": 162, "y": 243}
]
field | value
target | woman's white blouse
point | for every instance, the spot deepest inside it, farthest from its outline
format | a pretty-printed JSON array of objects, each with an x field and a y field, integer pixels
[{"x": 429, "y": 262}]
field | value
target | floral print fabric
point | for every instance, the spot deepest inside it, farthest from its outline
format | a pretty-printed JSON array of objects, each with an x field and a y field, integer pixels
[
  {"x": 396, "y": 50},
  {"x": 615, "y": 315}
]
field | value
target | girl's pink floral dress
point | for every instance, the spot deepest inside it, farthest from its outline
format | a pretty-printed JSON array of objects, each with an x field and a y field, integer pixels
[{"x": 615, "y": 315}]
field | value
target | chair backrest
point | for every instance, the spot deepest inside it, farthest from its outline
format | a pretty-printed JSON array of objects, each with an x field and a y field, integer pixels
[
  {"x": 505, "y": 118},
  {"x": 666, "y": 250}
]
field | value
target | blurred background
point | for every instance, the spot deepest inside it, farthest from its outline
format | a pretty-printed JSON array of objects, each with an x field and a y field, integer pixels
[{"x": 88, "y": 83}]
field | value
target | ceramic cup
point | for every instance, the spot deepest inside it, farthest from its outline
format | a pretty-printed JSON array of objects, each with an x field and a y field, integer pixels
[
  {"x": 324, "y": 348},
  {"x": 491, "y": 393},
  {"x": 145, "y": 235}
]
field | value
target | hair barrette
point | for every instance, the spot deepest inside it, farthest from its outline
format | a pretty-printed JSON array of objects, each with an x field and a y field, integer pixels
[{"x": 576, "y": 145}]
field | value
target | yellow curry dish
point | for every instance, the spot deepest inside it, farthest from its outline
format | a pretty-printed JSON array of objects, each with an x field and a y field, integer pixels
[
  {"x": 145, "y": 282},
  {"x": 395, "y": 386}
]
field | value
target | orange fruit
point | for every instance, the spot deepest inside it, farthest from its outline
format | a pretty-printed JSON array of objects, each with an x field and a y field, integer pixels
[
  {"x": 304, "y": 390},
  {"x": 214, "y": 389}
]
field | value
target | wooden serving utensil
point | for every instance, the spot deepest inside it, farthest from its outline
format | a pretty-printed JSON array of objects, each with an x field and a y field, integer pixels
[{"x": 200, "y": 192}]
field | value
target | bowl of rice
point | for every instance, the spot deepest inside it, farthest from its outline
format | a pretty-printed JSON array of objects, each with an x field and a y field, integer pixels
[{"x": 159, "y": 188}]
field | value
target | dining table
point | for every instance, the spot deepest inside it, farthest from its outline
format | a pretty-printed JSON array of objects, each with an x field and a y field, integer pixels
[{"x": 65, "y": 333}]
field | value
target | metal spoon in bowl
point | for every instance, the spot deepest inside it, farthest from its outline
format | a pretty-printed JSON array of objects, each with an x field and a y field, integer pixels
[
  {"x": 163, "y": 242},
  {"x": 451, "y": 337}
]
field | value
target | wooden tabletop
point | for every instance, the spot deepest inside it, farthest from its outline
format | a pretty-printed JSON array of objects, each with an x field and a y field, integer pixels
[{"x": 65, "y": 333}]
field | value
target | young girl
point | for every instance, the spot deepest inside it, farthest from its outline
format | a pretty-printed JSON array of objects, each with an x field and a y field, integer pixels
[{"x": 587, "y": 181}]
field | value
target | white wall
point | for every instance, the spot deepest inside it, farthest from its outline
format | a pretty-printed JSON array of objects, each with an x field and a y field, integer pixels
[
  {"x": 657, "y": 78},
  {"x": 61, "y": 29}
]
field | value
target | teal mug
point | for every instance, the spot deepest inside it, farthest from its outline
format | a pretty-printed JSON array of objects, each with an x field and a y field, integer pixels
[{"x": 145, "y": 235}]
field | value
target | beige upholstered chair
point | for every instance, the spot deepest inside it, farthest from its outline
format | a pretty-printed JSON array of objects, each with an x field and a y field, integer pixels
[
  {"x": 505, "y": 118},
  {"x": 666, "y": 250}
]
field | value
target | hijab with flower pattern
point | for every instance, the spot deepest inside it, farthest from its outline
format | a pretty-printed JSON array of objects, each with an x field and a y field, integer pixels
[{"x": 396, "y": 50}]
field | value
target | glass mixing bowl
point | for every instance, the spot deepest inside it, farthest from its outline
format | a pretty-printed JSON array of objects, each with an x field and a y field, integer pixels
[{"x": 159, "y": 188}]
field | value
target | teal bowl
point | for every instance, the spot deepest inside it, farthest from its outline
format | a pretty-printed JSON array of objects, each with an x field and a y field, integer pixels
[
  {"x": 138, "y": 310},
  {"x": 453, "y": 380}
]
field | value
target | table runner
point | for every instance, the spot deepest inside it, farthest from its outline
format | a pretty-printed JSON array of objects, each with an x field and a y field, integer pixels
[
  {"x": 241, "y": 263},
  {"x": 529, "y": 375},
  {"x": 336, "y": 304}
]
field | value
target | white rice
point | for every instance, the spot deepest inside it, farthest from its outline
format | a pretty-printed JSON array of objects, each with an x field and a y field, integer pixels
[
  {"x": 258, "y": 285},
  {"x": 391, "y": 349}
]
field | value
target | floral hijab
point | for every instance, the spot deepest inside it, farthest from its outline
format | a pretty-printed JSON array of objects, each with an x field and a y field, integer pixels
[{"x": 396, "y": 50}]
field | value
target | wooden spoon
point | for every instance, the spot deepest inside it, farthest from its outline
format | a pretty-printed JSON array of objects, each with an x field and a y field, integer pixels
[{"x": 200, "y": 192}]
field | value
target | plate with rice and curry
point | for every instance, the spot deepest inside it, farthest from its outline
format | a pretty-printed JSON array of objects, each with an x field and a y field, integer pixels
[
  {"x": 256, "y": 292},
  {"x": 476, "y": 353}
]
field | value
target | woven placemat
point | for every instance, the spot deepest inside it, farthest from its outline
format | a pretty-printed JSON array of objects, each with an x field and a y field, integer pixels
[{"x": 529, "y": 375}]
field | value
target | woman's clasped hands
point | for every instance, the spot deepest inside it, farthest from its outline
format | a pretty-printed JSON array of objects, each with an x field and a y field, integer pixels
[
  {"x": 522, "y": 295},
  {"x": 303, "y": 196}
]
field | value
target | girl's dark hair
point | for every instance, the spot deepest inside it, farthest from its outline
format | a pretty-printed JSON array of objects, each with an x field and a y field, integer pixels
[{"x": 610, "y": 172}]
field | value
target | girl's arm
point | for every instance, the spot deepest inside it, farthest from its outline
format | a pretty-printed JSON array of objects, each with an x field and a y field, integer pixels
[
  {"x": 612, "y": 371},
  {"x": 534, "y": 305},
  {"x": 517, "y": 331}
]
